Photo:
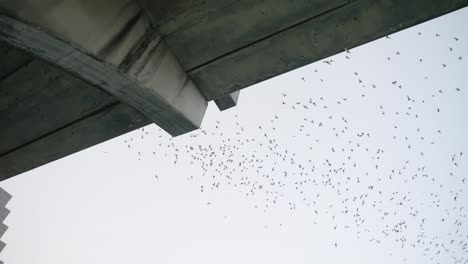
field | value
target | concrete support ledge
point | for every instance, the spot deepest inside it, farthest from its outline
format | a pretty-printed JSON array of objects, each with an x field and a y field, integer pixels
[
  {"x": 130, "y": 61},
  {"x": 227, "y": 101}
]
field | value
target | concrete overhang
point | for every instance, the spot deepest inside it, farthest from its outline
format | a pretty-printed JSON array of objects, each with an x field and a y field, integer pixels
[{"x": 75, "y": 73}]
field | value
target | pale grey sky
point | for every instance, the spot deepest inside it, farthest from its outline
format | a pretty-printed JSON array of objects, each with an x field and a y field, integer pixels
[{"x": 347, "y": 160}]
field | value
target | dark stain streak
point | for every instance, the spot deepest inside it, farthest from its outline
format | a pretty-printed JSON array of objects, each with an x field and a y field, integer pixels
[
  {"x": 137, "y": 51},
  {"x": 149, "y": 56}
]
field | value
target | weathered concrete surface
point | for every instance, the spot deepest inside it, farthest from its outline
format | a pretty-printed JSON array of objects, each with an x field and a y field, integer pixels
[
  {"x": 170, "y": 15},
  {"x": 114, "y": 49},
  {"x": 326, "y": 34},
  {"x": 238, "y": 25},
  {"x": 38, "y": 99},
  {"x": 106, "y": 124},
  {"x": 227, "y": 101},
  {"x": 97, "y": 26},
  {"x": 54, "y": 101},
  {"x": 11, "y": 60}
]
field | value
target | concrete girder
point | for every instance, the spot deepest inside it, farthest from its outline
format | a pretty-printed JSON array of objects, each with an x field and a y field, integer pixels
[
  {"x": 223, "y": 45},
  {"x": 109, "y": 122},
  {"x": 39, "y": 98},
  {"x": 236, "y": 26},
  {"x": 322, "y": 35},
  {"x": 110, "y": 45}
]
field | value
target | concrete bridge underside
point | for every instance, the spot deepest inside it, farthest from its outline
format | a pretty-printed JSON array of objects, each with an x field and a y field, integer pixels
[{"x": 74, "y": 73}]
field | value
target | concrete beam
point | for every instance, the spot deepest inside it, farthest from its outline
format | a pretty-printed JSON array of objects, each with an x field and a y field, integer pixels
[
  {"x": 38, "y": 99},
  {"x": 227, "y": 101},
  {"x": 169, "y": 16},
  {"x": 239, "y": 24},
  {"x": 68, "y": 114},
  {"x": 316, "y": 38},
  {"x": 109, "y": 44},
  {"x": 103, "y": 125}
]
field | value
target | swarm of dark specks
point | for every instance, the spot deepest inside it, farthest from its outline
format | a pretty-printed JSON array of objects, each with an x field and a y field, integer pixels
[{"x": 255, "y": 162}]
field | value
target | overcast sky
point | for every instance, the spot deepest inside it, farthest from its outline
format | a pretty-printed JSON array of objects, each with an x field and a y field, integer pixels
[{"x": 360, "y": 158}]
